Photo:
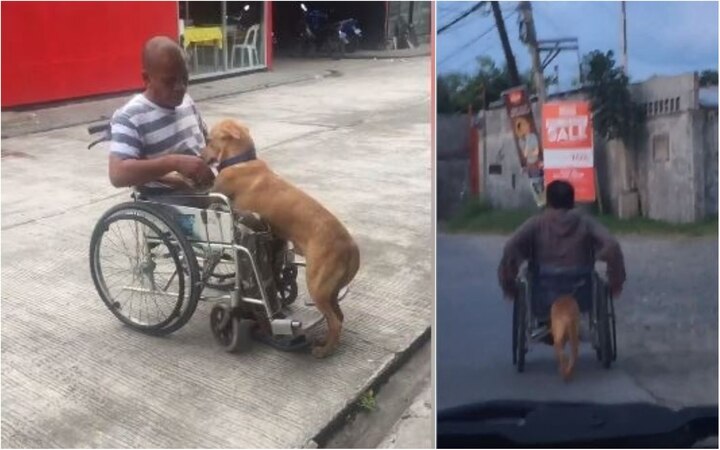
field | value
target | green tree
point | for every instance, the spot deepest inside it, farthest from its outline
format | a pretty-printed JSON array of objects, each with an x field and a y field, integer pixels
[
  {"x": 457, "y": 90},
  {"x": 708, "y": 78},
  {"x": 615, "y": 114}
]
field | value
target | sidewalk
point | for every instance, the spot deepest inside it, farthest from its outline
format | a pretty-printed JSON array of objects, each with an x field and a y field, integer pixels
[{"x": 76, "y": 112}]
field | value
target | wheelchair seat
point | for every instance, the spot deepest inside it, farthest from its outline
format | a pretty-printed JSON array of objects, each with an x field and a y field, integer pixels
[{"x": 549, "y": 283}]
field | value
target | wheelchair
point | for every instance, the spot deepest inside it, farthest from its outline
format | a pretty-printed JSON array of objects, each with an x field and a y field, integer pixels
[
  {"x": 152, "y": 260},
  {"x": 537, "y": 288}
]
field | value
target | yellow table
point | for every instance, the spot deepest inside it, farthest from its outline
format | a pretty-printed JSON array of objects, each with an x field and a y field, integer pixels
[
  {"x": 203, "y": 37},
  {"x": 206, "y": 36}
]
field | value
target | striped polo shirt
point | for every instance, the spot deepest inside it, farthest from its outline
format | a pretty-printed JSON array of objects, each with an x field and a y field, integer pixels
[{"x": 143, "y": 130}]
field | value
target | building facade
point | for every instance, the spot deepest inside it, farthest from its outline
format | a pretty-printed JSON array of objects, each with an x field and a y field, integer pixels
[{"x": 55, "y": 51}]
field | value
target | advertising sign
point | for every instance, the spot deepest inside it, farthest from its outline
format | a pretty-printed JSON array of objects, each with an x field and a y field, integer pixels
[
  {"x": 527, "y": 143},
  {"x": 567, "y": 137}
]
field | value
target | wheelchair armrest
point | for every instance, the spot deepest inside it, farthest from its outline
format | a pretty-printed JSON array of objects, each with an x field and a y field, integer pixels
[
  {"x": 102, "y": 127},
  {"x": 103, "y": 130}
]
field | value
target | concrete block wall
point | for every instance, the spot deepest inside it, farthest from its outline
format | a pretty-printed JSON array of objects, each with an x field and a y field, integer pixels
[
  {"x": 668, "y": 188},
  {"x": 710, "y": 134},
  {"x": 659, "y": 95},
  {"x": 452, "y": 163}
]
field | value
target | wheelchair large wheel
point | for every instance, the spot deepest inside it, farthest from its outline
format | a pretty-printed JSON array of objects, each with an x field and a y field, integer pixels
[
  {"x": 519, "y": 329},
  {"x": 144, "y": 268},
  {"x": 613, "y": 334},
  {"x": 605, "y": 328}
]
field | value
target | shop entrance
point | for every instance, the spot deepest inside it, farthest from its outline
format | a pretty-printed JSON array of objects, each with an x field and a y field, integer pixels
[
  {"x": 222, "y": 37},
  {"x": 289, "y": 19}
]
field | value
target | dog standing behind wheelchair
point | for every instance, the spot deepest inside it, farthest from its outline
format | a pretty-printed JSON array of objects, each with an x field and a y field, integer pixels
[
  {"x": 565, "y": 328},
  {"x": 331, "y": 254}
]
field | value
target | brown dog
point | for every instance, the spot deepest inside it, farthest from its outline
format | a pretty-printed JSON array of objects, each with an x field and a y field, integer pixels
[
  {"x": 565, "y": 327},
  {"x": 331, "y": 255}
]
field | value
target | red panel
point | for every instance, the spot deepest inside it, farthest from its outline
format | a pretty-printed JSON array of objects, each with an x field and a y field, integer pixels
[{"x": 62, "y": 50}]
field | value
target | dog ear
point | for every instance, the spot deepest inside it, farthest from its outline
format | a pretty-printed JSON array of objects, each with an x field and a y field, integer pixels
[{"x": 237, "y": 131}]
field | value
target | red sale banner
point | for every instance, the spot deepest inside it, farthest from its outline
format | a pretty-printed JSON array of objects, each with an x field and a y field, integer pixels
[{"x": 567, "y": 137}]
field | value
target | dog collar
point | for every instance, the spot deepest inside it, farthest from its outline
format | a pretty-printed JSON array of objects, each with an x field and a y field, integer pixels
[{"x": 247, "y": 156}]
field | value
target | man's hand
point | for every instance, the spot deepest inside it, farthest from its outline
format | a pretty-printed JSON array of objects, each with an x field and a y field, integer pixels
[
  {"x": 509, "y": 290},
  {"x": 615, "y": 291},
  {"x": 178, "y": 182},
  {"x": 195, "y": 169}
]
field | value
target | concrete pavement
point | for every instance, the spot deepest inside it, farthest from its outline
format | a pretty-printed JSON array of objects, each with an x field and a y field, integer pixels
[
  {"x": 666, "y": 325},
  {"x": 73, "y": 376},
  {"x": 20, "y": 122}
]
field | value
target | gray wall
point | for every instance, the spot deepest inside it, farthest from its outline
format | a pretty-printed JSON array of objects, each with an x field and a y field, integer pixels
[
  {"x": 452, "y": 163},
  {"x": 710, "y": 133},
  {"x": 668, "y": 188},
  {"x": 682, "y": 188}
]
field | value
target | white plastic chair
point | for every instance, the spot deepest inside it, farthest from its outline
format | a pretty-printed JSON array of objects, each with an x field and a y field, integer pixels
[{"x": 249, "y": 47}]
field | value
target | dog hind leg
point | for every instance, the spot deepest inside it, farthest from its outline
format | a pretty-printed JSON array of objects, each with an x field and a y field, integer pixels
[
  {"x": 574, "y": 346},
  {"x": 325, "y": 347}
]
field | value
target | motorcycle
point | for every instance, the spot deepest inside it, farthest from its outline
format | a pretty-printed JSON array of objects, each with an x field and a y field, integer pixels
[
  {"x": 349, "y": 35},
  {"x": 312, "y": 29},
  {"x": 336, "y": 38}
]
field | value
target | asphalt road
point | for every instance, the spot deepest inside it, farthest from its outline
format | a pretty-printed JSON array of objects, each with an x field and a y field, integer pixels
[{"x": 667, "y": 329}]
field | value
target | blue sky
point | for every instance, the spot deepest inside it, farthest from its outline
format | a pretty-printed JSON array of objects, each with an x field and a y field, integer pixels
[{"x": 664, "y": 38}]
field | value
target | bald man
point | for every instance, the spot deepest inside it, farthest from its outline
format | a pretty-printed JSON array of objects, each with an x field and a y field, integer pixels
[{"x": 157, "y": 136}]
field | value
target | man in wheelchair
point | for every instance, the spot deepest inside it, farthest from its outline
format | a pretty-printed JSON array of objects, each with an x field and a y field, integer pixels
[
  {"x": 561, "y": 246},
  {"x": 156, "y": 137}
]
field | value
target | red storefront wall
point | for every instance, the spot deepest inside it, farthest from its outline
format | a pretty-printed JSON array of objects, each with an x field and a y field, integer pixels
[{"x": 62, "y": 50}]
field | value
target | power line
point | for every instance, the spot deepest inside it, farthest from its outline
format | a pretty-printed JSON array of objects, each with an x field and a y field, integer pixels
[
  {"x": 484, "y": 50},
  {"x": 474, "y": 8},
  {"x": 447, "y": 10},
  {"x": 473, "y": 40}
]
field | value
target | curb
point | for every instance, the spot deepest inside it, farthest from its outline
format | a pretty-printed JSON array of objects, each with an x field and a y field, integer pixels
[
  {"x": 386, "y": 56},
  {"x": 375, "y": 382}
]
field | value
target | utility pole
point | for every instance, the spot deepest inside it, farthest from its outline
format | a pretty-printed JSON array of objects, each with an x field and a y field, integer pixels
[
  {"x": 529, "y": 37},
  {"x": 623, "y": 38},
  {"x": 509, "y": 57}
]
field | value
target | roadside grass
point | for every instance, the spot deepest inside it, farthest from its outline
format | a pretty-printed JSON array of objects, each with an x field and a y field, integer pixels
[
  {"x": 476, "y": 216},
  {"x": 367, "y": 401}
]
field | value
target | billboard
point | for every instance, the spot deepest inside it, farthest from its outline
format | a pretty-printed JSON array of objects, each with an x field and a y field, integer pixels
[
  {"x": 527, "y": 143},
  {"x": 567, "y": 137}
]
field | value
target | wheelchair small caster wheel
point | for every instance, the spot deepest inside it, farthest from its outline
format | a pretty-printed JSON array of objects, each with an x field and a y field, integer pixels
[{"x": 231, "y": 332}]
